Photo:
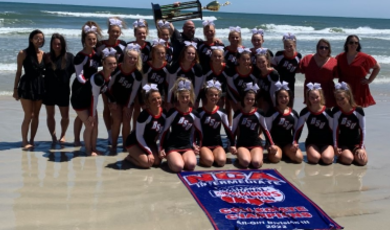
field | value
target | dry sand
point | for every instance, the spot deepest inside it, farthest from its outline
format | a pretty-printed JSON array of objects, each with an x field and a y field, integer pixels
[{"x": 59, "y": 188}]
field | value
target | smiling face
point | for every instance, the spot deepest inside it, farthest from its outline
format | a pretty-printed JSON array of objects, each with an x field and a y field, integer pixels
[
  {"x": 56, "y": 45},
  {"x": 212, "y": 96},
  {"x": 90, "y": 40},
  {"x": 289, "y": 47},
  {"x": 154, "y": 100},
  {"x": 314, "y": 98},
  {"x": 249, "y": 99},
  {"x": 190, "y": 54},
  {"x": 109, "y": 63},
  {"x": 184, "y": 97},
  {"x": 189, "y": 29},
  {"x": 159, "y": 53},
  {"x": 262, "y": 62},
  {"x": 140, "y": 34},
  {"x": 283, "y": 98},
  {"x": 164, "y": 34},
  {"x": 131, "y": 58},
  {"x": 114, "y": 32},
  {"x": 245, "y": 59},
  {"x": 323, "y": 49},
  {"x": 217, "y": 56},
  {"x": 257, "y": 40},
  {"x": 209, "y": 32},
  {"x": 353, "y": 44},
  {"x": 37, "y": 40},
  {"x": 342, "y": 100},
  {"x": 234, "y": 38}
]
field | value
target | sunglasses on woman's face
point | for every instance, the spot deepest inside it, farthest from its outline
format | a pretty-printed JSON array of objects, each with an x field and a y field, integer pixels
[
  {"x": 323, "y": 47},
  {"x": 353, "y": 43}
]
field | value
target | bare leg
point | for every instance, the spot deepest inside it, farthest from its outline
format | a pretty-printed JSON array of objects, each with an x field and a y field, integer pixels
[
  {"x": 244, "y": 157},
  {"x": 35, "y": 120},
  {"x": 219, "y": 156},
  {"x": 125, "y": 127},
  {"x": 313, "y": 154},
  {"x": 64, "y": 122},
  {"x": 107, "y": 117},
  {"x": 77, "y": 125},
  {"x": 327, "y": 155},
  {"x": 51, "y": 122},
  {"x": 116, "y": 125},
  {"x": 257, "y": 157},
  {"x": 295, "y": 156},
  {"x": 275, "y": 158},
  {"x": 346, "y": 157},
  {"x": 27, "y": 106},
  {"x": 88, "y": 132},
  {"x": 206, "y": 157},
  {"x": 189, "y": 159},
  {"x": 175, "y": 162}
]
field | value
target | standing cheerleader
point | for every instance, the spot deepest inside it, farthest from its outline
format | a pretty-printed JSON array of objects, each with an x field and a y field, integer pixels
[
  {"x": 188, "y": 67},
  {"x": 204, "y": 47},
  {"x": 239, "y": 76},
  {"x": 286, "y": 62},
  {"x": 86, "y": 63},
  {"x": 231, "y": 51},
  {"x": 216, "y": 70},
  {"x": 281, "y": 122},
  {"x": 59, "y": 69},
  {"x": 99, "y": 84},
  {"x": 257, "y": 42},
  {"x": 319, "y": 120},
  {"x": 177, "y": 144},
  {"x": 349, "y": 127},
  {"x": 29, "y": 88},
  {"x": 211, "y": 118},
  {"x": 123, "y": 88},
  {"x": 141, "y": 143},
  {"x": 141, "y": 31},
  {"x": 156, "y": 70},
  {"x": 164, "y": 31},
  {"x": 115, "y": 26},
  {"x": 268, "y": 77},
  {"x": 246, "y": 126}
]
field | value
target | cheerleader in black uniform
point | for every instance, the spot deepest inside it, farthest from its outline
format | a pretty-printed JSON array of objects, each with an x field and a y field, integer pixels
[
  {"x": 286, "y": 62},
  {"x": 247, "y": 123},
  {"x": 211, "y": 118},
  {"x": 59, "y": 69},
  {"x": 281, "y": 121},
  {"x": 349, "y": 127},
  {"x": 123, "y": 88},
  {"x": 188, "y": 67},
  {"x": 231, "y": 51},
  {"x": 177, "y": 144},
  {"x": 257, "y": 42},
  {"x": 29, "y": 88},
  {"x": 216, "y": 70},
  {"x": 156, "y": 70},
  {"x": 268, "y": 77},
  {"x": 98, "y": 84},
  {"x": 204, "y": 47},
  {"x": 164, "y": 31},
  {"x": 238, "y": 76},
  {"x": 141, "y": 143},
  {"x": 86, "y": 64},
  {"x": 115, "y": 26},
  {"x": 141, "y": 31},
  {"x": 319, "y": 120}
]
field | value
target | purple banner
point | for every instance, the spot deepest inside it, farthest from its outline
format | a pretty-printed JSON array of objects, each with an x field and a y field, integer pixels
[{"x": 254, "y": 199}]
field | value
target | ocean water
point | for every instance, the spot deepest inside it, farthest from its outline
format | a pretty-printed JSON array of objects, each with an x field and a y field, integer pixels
[{"x": 17, "y": 20}]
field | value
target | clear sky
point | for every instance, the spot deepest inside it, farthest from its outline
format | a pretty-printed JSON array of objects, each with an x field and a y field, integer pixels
[{"x": 343, "y": 8}]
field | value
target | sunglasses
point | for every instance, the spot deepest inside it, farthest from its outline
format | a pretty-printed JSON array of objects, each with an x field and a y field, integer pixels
[
  {"x": 323, "y": 47},
  {"x": 353, "y": 43}
]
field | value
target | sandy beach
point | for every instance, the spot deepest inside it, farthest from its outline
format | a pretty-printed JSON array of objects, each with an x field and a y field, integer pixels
[{"x": 60, "y": 188}]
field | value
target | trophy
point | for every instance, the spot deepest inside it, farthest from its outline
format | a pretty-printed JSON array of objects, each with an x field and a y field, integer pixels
[{"x": 183, "y": 10}]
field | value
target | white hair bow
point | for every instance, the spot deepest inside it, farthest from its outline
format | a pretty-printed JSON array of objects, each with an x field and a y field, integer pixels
[
  {"x": 208, "y": 23},
  {"x": 313, "y": 86},
  {"x": 133, "y": 46},
  {"x": 88, "y": 29},
  {"x": 262, "y": 51},
  {"x": 217, "y": 48},
  {"x": 108, "y": 52},
  {"x": 241, "y": 50},
  {"x": 342, "y": 85},
  {"x": 188, "y": 43},
  {"x": 281, "y": 85},
  {"x": 184, "y": 85},
  {"x": 289, "y": 36},
  {"x": 148, "y": 87},
  {"x": 162, "y": 24},
  {"x": 139, "y": 23},
  {"x": 212, "y": 84},
  {"x": 115, "y": 22},
  {"x": 258, "y": 31},
  {"x": 251, "y": 86},
  {"x": 235, "y": 29},
  {"x": 159, "y": 42}
]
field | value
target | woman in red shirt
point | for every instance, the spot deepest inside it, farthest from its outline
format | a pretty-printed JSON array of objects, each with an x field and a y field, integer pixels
[
  {"x": 353, "y": 67},
  {"x": 321, "y": 68}
]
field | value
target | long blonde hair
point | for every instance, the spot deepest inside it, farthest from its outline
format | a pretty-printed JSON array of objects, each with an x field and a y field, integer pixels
[{"x": 138, "y": 65}]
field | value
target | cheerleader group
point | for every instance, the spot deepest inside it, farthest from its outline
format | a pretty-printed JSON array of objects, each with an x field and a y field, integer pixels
[{"x": 246, "y": 91}]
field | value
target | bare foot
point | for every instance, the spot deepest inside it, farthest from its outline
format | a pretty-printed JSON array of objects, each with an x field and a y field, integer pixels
[
  {"x": 63, "y": 140},
  {"x": 94, "y": 154},
  {"x": 77, "y": 143},
  {"x": 28, "y": 146}
]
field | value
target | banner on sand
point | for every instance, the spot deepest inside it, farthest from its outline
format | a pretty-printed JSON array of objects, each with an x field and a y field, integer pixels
[{"x": 254, "y": 199}]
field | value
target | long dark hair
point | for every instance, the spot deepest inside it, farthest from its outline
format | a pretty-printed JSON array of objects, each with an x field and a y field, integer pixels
[
  {"x": 63, "y": 50},
  {"x": 31, "y": 48}
]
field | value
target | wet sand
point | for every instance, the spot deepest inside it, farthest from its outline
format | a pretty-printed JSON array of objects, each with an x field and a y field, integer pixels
[{"x": 59, "y": 188}]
